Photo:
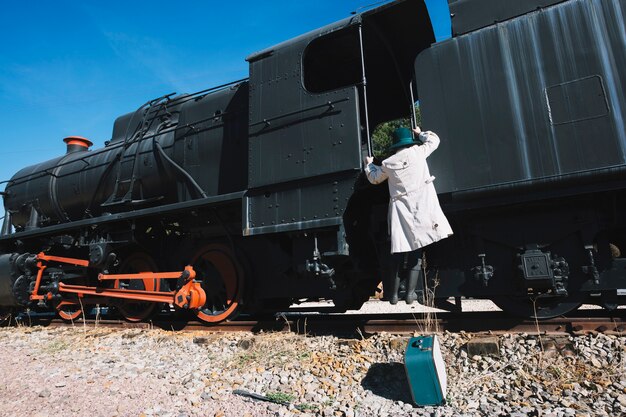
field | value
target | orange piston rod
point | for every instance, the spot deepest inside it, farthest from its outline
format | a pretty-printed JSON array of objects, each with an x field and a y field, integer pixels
[
  {"x": 43, "y": 257},
  {"x": 191, "y": 295},
  {"x": 151, "y": 275}
]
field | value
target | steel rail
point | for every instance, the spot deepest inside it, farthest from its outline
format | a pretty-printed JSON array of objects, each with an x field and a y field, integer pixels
[{"x": 317, "y": 324}]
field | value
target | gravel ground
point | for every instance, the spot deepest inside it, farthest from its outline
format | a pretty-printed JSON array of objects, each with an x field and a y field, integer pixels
[{"x": 102, "y": 372}]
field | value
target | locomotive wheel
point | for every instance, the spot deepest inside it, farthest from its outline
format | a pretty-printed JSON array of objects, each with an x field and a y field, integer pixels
[
  {"x": 221, "y": 277},
  {"x": 136, "y": 311},
  {"x": 69, "y": 310},
  {"x": 541, "y": 309}
]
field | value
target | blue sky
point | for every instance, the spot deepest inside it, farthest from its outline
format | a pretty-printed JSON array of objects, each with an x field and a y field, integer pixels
[{"x": 71, "y": 67}]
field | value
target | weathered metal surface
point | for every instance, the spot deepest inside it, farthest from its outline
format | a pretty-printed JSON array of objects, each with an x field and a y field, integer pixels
[
  {"x": 311, "y": 204},
  {"x": 470, "y": 15},
  {"x": 536, "y": 98}
]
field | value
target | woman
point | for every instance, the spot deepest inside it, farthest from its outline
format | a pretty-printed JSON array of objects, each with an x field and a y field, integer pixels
[{"x": 415, "y": 217}]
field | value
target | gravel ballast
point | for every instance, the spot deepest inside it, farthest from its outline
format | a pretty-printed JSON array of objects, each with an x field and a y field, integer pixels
[{"x": 102, "y": 372}]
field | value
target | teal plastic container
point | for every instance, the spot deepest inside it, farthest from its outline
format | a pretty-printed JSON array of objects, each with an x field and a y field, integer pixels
[{"x": 426, "y": 371}]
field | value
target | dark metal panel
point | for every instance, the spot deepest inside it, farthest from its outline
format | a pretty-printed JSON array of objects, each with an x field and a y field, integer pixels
[
  {"x": 470, "y": 15},
  {"x": 490, "y": 95},
  {"x": 314, "y": 203},
  {"x": 294, "y": 133},
  {"x": 213, "y": 146},
  {"x": 292, "y": 227},
  {"x": 578, "y": 100},
  {"x": 321, "y": 136}
]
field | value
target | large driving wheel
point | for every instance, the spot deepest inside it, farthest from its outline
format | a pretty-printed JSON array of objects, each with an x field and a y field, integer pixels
[
  {"x": 136, "y": 311},
  {"x": 221, "y": 277}
]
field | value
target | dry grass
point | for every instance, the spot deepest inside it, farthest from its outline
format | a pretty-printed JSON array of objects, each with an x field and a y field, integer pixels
[
  {"x": 270, "y": 350},
  {"x": 430, "y": 323}
]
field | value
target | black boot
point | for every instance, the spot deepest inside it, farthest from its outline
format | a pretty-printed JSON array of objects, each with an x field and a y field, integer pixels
[
  {"x": 392, "y": 284},
  {"x": 414, "y": 275}
]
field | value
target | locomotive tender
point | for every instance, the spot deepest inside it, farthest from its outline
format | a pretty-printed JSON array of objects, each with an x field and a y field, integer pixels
[{"x": 250, "y": 196}]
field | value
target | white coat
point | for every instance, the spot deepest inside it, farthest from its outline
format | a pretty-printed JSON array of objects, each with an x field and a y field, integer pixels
[{"x": 415, "y": 217}]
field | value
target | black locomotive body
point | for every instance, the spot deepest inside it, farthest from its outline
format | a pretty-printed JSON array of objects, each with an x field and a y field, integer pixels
[{"x": 253, "y": 193}]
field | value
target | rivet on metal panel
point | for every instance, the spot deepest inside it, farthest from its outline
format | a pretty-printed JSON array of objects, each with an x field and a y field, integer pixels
[
  {"x": 335, "y": 183},
  {"x": 340, "y": 142}
]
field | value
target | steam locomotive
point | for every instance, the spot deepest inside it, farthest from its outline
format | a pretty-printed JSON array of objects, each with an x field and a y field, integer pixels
[{"x": 250, "y": 196}]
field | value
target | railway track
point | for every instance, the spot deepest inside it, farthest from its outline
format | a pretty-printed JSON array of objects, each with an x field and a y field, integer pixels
[{"x": 587, "y": 322}]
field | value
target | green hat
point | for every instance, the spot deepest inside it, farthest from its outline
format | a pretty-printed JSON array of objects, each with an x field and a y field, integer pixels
[{"x": 402, "y": 137}]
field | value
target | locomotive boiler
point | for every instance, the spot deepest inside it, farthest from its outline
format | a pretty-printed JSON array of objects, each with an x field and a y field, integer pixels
[{"x": 250, "y": 196}]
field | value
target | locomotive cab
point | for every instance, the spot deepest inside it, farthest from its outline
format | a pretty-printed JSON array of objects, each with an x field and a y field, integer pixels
[{"x": 314, "y": 101}]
